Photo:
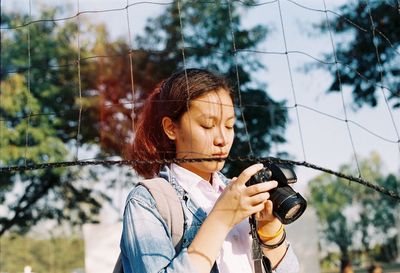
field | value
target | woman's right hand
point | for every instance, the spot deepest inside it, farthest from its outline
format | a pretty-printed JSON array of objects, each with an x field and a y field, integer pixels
[{"x": 238, "y": 201}]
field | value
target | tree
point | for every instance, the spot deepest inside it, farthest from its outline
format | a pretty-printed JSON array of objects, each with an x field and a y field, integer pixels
[
  {"x": 39, "y": 115},
  {"x": 193, "y": 34},
  {"x": 330, "y": 198},
  {"x": 368, "y": 51},
  {"x": 346, "y": 212}
]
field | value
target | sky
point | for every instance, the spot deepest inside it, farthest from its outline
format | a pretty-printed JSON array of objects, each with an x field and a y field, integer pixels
[{"x": 315, "y": 138}]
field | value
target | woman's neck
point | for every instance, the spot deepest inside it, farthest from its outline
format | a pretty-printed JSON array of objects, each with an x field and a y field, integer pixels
[{"x": 207, "y": 176}]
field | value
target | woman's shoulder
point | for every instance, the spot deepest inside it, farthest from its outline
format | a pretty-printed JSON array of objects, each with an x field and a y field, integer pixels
[{"x": 139, "y": 193}]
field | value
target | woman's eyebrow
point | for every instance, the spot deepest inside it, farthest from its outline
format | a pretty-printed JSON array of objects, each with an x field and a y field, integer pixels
[{"x": 213, "y": 117}]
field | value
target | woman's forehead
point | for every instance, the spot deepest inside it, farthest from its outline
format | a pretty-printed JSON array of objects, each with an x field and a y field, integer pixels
[
  {"x": 213, "y": 101},
  {"x": 220, "y": 96}
]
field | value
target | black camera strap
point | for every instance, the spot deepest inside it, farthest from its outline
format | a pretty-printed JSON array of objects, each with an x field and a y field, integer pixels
[
  {"x": 261, "y": 263},
  {"x": 257, "y": 257}
]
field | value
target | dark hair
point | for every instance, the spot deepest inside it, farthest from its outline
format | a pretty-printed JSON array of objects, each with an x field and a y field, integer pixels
[{"x": 170, "y": 99}]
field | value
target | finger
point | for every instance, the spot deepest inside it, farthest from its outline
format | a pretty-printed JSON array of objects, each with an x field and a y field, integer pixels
[
  {"x": 248, "y": 172},
  {"x": 259, "y": 198},
  {"x": 261, "y": 187},
  {"x": 257, "y": 209},
  {"x": 269, "y": 206},
  {"x": 260, "y": 215},
  {"x": 267, "y": 213}
]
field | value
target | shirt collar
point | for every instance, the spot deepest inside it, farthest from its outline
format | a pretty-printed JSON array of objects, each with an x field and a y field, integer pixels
[{"x": 188, "y": 180}]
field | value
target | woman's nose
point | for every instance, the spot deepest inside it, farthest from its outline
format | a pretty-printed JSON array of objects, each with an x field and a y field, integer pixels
[{"x": 220, "y": 138}]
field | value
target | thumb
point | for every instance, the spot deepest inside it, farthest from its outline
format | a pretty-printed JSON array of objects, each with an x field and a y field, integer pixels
[{"x": 248, "y": 173}]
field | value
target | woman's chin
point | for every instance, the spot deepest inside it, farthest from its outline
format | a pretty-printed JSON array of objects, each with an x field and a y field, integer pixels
[{"x": 216, "y": 166}]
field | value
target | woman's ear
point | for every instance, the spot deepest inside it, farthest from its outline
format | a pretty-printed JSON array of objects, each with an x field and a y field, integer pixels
[{"x": 169, "y": 127}]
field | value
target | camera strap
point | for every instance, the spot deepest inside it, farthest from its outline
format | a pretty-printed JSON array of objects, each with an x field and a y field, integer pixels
[
  {"x": 260, "y": 262},
  {"x": 257, "y": 257}
]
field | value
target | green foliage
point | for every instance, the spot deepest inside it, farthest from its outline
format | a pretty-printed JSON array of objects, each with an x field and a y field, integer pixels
[
  {"x": 330, "y": 196},
  {"x": 347, "y": 212},
  {"x": 38, "y": 124},
  {"x": 369, "y": 33},
  {"x": 32, "y": 139},
  {"x": 58, "y": 255}
]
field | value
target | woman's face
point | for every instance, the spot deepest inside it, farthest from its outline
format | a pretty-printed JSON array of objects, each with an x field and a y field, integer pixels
[{"x": 205, "y": 131}]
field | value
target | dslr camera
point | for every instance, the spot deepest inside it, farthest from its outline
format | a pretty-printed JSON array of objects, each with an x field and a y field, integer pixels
[{"x": 288, "y": 205}]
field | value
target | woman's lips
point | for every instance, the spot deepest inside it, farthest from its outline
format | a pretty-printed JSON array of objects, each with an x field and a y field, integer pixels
[{"x": 220, "y": 155}]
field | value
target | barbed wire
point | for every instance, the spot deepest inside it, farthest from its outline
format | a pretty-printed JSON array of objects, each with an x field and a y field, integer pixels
[{"x": 250, "y": 159}]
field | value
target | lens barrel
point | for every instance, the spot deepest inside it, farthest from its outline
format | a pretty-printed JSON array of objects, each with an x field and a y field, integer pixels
[{"x": 288, "y": 205}]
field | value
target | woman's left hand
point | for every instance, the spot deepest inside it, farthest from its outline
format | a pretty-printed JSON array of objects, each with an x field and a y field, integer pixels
[
  {"x": 266, "y": 215},
  {"x": 267, "y": 220}
]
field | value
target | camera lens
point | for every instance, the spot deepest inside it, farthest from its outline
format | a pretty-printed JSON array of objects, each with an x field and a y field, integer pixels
[
  {"x": 293, "y": 211},
  {"x": 288, "y": 205}
]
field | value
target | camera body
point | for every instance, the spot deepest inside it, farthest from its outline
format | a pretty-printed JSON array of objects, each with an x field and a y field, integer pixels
[{"x": 288, "y": 205}]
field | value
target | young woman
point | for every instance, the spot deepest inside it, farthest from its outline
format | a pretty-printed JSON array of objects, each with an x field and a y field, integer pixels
[{"x": 191, "y": 115}]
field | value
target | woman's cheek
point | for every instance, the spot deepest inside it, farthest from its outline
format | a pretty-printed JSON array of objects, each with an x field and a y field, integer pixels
[{"x": 232, "y": 135}]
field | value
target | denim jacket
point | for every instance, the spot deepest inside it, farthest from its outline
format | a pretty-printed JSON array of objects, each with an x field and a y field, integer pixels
[{"x": 146, "y": 245}]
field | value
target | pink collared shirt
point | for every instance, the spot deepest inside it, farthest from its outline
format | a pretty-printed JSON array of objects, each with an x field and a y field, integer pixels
[{"x": 235, "y": 254}]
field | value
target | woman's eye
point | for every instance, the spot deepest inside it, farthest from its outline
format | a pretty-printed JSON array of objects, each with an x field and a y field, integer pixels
[
  {"x": 229, "y": 126},
  {"x": 207, "y": 126}
]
